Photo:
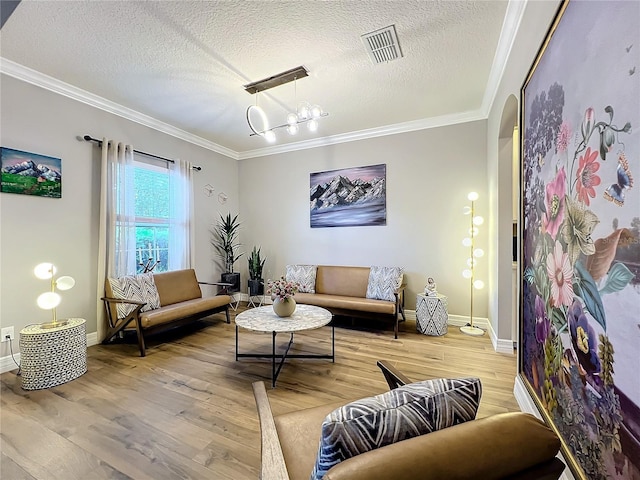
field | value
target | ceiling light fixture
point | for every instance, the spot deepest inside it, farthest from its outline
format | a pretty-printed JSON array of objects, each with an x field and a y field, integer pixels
[{"x": 305, "y": 113}]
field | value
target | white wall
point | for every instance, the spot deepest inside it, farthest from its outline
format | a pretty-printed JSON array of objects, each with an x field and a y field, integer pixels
[
  {"x": 64, "y": 231},
  {"x": 429, "y": 174},
  {"x": 532, "y": 30}
]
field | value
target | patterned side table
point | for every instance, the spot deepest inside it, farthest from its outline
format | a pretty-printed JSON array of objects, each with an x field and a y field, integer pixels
[
  {"x": 431, "y": 314},
  {"x": 52, "y": 356}
]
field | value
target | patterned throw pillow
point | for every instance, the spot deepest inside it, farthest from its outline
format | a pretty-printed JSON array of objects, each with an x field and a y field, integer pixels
[
  {"x": 305, "y": 275},
  {"x": 141, "y": 288},
  {"x": 405, "y": 412},
  {"x": 383, "y": 282}
]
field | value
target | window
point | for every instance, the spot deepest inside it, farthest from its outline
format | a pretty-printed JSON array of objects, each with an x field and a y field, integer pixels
[
  {"x": 152, "y": 214},
  {"x": 150, "y": 203}
]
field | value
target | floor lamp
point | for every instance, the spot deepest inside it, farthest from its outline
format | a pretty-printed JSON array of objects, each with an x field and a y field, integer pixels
[{"x": 474, "y": 253}]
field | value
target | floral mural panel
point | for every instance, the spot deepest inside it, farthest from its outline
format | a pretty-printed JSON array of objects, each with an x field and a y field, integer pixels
[{"x": 580, "y": 231}]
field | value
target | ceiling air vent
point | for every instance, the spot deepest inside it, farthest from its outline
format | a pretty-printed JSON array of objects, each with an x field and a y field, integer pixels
[{"x": 382, "y": 45}]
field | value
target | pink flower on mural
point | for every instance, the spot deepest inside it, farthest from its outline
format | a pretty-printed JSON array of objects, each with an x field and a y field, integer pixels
[
  {"x": 587, "y": 179},
  {"x": 562, "y": 141},
  {"x": 554, "y": 203},
  {"x": 560, "y": 276}
]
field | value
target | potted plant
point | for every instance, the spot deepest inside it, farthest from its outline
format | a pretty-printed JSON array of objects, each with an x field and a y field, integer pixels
[
  {"x": 225, "y": 241},
  {"x": 256, "y": 264}
]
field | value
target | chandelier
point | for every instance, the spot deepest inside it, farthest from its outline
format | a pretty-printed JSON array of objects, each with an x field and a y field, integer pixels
[{"x": 305, "y": 113}]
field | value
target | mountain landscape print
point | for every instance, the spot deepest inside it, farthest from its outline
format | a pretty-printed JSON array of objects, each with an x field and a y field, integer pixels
[
  {"x": 30, "y": 173},
  {"x": 349, "y": 197}
]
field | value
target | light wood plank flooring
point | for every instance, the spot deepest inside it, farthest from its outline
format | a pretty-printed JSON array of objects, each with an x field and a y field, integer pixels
[{"x": 186, "y": 410}]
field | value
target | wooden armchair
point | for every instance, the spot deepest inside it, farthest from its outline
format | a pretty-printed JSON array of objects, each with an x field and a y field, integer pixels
[{"x": 514, "y": 446}]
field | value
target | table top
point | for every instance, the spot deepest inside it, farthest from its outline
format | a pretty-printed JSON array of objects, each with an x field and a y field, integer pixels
[
  {"x": 263, "y": 319},
  {"x": 37, "y": 328},
  {"x": 438, "y": 295}
]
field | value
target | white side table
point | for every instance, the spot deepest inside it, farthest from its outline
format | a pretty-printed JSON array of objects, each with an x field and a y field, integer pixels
[
  {"x": 431, "y": 314},
  {"x": 52, "y": 356}
]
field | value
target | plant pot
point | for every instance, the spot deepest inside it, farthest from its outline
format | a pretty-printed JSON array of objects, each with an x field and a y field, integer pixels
[
  {"x": 284, "y": 308},
  {"x": 233, "y": 279},
  {"x": 256, "y": 287}
]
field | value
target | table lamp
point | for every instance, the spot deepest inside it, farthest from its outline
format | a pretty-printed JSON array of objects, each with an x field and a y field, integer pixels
[{"x": 50, "y": 300}]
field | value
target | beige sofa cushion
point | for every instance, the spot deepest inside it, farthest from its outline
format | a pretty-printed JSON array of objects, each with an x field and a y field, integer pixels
[
  {"x": 181, "y": 310},
  {"x": 299, "y": 435},
  {"x": 177, "y": 286},
  {"x": 346, "y": 303},
  {"x": 345, "y": 281}
]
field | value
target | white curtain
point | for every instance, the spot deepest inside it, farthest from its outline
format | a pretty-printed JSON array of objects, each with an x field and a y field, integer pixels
[
  {"x": 181, "y": 250},
  {"x": 117, "y": 234}
]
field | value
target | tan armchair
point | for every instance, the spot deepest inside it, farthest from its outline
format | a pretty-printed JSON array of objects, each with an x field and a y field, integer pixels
[{"x": 505, "y": 446}]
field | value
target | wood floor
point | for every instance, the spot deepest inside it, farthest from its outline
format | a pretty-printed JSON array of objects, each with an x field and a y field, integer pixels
[{"x": 186, "y": 410}]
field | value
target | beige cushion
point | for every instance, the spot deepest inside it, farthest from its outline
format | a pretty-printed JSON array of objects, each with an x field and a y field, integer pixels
[
  {"x": 347, "y": 303},
  {"x": 339, "y": 280},
  {"x": 299, "y": 435},
  {"x": 177, "y": 286},
  {"x": 181, "y": 310}
]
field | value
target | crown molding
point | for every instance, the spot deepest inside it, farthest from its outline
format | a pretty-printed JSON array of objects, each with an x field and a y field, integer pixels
[
  {"x": 513, "y": 17},
  {"x": 510, "y": 26},
  {"x": 34, "y": 77},
  {"x": 394, "y": 129}
]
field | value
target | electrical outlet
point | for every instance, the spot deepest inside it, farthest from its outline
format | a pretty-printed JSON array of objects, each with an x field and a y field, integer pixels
[{"x": 7, "y": 332}]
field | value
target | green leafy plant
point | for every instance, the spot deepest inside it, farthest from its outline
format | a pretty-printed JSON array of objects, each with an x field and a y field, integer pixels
[
  {"x": 225, "y": 240},
  {"x": 256, "y": 264}
]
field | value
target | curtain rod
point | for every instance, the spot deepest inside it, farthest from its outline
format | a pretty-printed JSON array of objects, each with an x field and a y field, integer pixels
[{"x": 88, "y": 138}]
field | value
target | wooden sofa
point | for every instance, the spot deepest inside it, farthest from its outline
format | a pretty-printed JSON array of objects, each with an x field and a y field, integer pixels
[
  {"x": 343, "y": 291},
  {"x": 506, "y": 446},
  {"x": 181, "y": 302}
]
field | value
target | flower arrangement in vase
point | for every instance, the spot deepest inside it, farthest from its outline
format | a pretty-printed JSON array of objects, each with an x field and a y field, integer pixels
[{"x": 282, "y": 292}]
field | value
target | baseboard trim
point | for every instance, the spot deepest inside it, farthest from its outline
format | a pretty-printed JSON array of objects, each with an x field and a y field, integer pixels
[
  {"x": 504, "y": 346},
  {"x": 7, "y": 364},
  {"x": 92, "y": 339}
]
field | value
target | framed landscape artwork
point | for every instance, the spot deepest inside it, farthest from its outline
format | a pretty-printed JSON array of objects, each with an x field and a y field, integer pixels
[
  {"x": 580, "y": 236},
  {"x": 30, "y": 173},
  {"x": 349, "y": 197}
]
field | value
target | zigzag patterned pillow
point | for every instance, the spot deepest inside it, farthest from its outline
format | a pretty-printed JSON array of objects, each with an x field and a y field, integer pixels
[
  {"x": 141, "y": 288},
  {"x": 305, "y": 275},
  {"x": 408, "y": 411},
  {"x": 383, "y": 282}
]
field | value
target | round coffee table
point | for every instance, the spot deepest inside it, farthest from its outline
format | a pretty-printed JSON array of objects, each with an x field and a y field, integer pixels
[{"x": 264, "y": 320}]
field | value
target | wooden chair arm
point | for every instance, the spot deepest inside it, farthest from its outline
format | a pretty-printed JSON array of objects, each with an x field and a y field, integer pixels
[
  {"x": 123, "y": 300},
  {"x": 273, "y": 465},
  {"x": 219, "y": 284},
  {"x": 392, "y": 375}
]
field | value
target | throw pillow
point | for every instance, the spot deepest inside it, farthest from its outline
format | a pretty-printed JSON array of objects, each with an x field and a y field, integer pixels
[
  {"x": 405, "y": 412},
  {"x": 305, "y": 275},
  {"x": 141, "y": 288},
  {"x": 384, "y": 282}
]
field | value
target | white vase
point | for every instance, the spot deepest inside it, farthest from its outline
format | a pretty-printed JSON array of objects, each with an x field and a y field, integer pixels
[{"x": 284, "y": 308}]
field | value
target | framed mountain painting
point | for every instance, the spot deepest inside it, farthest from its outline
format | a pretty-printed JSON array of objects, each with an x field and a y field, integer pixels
[
  {"x": 580, "y": 236},
  {"x": 349, "y": 197},
  {"x": 30, "y": 173}
]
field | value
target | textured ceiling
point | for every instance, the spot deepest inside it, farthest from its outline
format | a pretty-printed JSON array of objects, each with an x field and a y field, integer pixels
[{"x": 184, "y": 62}]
